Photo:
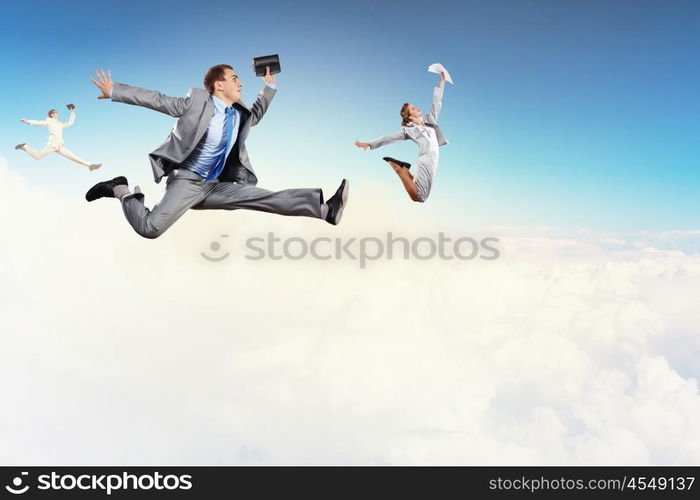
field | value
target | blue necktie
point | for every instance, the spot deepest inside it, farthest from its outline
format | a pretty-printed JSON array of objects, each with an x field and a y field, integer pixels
[{"x": 228, "y": 129}]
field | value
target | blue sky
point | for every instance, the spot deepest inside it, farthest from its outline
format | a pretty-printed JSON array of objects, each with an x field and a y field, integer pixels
[{"x": 565, "y": 114}]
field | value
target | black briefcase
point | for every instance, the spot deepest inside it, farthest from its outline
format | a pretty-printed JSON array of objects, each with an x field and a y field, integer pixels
[{"x": 273, "y": 61}]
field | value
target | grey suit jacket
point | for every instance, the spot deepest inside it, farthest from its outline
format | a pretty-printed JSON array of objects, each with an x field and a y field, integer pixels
[
  {"x": 411, "y": 131},
  {"x": 194, "y": 112}
]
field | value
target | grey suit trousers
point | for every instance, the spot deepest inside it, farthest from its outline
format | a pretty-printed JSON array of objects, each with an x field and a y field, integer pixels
[{"x": 185, "y": 190}]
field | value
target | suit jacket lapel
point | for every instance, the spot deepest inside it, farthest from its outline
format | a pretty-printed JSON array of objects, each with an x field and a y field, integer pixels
[
  {"x": 242, "y": 108},
  {"x": 203, "y": 125},
  {"x": 244, "y": 126}
]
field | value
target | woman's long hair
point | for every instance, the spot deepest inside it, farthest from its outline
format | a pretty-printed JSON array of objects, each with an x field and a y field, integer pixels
[{"x": 406, "y": 119}]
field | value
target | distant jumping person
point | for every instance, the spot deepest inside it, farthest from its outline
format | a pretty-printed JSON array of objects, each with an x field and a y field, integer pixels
[
  {"x": 425, "y": 132},
  {"x": 55, "y": 143}
]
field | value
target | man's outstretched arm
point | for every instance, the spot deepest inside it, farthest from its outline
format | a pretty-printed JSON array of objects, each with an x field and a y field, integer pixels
[
  {"x": 262, "y": 101},
  {"x": 151, "y": 99},
  {"x": 71, "y": 119},
  {"x": 40, "y": 123}
]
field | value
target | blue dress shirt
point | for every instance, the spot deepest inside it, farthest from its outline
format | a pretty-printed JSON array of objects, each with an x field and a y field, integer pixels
[{"x": 209, "y": 156}]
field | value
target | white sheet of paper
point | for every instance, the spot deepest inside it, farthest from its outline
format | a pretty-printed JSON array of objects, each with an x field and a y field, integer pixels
[{"x": 437, "y": 68}]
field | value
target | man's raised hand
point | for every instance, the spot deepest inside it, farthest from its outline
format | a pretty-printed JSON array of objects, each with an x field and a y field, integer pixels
[
  {"x": 268, "y": 78},
  {"x": 103, "y": 82}
]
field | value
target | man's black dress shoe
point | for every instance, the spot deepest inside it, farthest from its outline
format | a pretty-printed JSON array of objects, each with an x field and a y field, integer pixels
[
  {"x": 105, "y": 189},
  {"x": 337, "y": 203}
]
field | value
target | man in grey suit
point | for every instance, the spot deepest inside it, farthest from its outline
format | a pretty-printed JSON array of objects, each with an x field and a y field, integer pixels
[{"x": 205, "y": 158}]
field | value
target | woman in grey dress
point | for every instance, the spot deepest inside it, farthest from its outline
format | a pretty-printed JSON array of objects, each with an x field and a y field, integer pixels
[{"x": 424, "y": 131}]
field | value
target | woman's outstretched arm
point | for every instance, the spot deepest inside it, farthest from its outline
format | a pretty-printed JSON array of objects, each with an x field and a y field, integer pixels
[
  {"x": 382, "y": 141},
  {"x": 437, "y": 100}
]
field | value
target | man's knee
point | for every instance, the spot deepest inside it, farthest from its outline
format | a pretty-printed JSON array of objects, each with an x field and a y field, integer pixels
[
  {"x": 151, "y": 235},
  {"x": 140, "y": 218},
  {"x": 149, "y": 228},
  {"x": 149, "y": 231}
]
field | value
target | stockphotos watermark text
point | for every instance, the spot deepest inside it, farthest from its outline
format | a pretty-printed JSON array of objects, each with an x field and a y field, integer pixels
[
  {"x": 363, "y": 250},
  {"x": 103, "y": 483}
]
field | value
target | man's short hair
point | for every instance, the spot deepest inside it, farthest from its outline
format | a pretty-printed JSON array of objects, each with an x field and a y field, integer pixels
[
  {"x": 52, "y": 111},
  {"x": 215, "y": 74}
]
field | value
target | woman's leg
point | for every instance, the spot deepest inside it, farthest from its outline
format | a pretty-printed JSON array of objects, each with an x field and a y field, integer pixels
[
  {"x": 424, "y": 171},
  {"x": 407, "y": 181}
]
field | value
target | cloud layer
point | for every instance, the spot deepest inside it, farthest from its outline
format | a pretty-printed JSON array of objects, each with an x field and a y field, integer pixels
[{"x": 569, "y": 349}]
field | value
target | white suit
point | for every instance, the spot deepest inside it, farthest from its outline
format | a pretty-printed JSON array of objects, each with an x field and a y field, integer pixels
[{"x": 55, "y": 143}]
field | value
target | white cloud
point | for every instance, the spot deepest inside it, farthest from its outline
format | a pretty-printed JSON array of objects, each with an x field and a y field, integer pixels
[{"x": 117, "y": 349}]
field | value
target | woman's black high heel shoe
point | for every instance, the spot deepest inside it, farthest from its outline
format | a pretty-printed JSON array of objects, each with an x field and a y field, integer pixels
[{"x": 400, "y": 163}]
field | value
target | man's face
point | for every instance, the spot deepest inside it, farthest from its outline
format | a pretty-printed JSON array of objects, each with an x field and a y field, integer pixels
[
  {"x": 54, "y": 114},
  {"x": 230, "y": 86}
]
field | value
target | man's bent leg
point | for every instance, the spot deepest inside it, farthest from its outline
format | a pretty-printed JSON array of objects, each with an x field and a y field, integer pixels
[
  {"x": 231, "y": 196},
  {"x": 184, "y": 189},
  {"x": 40, "y": 154},
  {"x": 71, "y": 156}
]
